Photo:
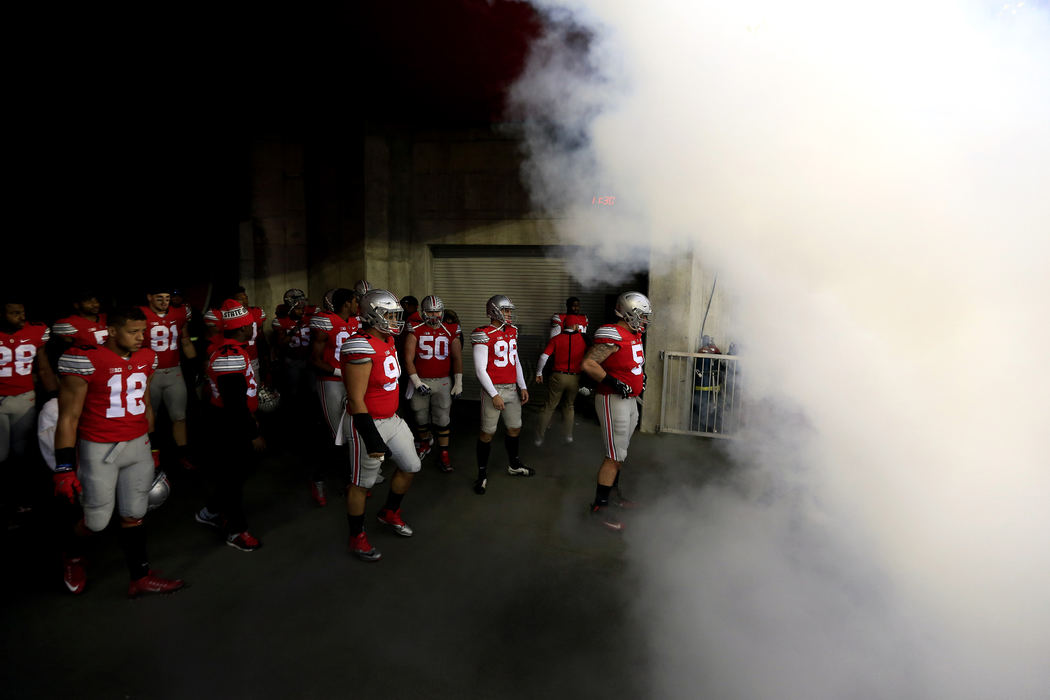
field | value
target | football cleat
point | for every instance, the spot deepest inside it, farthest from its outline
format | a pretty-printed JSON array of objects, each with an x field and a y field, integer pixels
[
  {"x": 153, "y": 583},
  {"x": 445, "y": 461},
  {"x": 623, "y": 503},
  {"x": 317, "y": 493},
  {"x": 244, "y": 541},
  {"x": 516, "y": 468},
  {"x": 362, "y": 549},
  {"x": 480, "y": 484},
  {"x": 423, "y": 447},
  {"x": 74, "y": 575},
  {"x": 602, "y": 516},
  {"x": 393, "y": 519},
  {"x": 206, "y": 517}
]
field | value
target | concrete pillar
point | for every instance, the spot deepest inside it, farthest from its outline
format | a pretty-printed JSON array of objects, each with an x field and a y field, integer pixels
[
  {"x": 273, "y": 244},
  {"x": 679, "y": 289}
]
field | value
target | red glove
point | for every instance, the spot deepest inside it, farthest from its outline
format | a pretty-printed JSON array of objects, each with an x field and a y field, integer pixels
[{"x": 67, "y": 485}]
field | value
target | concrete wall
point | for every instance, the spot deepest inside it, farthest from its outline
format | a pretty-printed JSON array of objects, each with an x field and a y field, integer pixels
[{"x": 374, "y": 201}]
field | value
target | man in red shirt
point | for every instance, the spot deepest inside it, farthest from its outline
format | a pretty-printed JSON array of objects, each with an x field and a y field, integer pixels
[
  {"x": 499, "y": 371},
  {"x": 104, "y": 415},
  {"x": 616, "y": 361},
  {"x": 371, "y": 424},
  {"x": 330, "y": 330},
  {"x": 434, "y": 362},
  {"x": 20, "y": 353},
  {"x": 85, "y": 327},
  {"x": 565, "y": 350},
  {"x": 166, "y": 328},
  {"x": 572, "y": 317},
  {"x": 232, "y": 430}
]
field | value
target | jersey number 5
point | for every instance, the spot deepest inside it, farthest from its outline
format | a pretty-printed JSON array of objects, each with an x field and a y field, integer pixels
[{"x": 639, "y": 358}]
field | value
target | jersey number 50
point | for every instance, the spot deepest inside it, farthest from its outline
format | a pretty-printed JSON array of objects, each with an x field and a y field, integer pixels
[{"x": 439, "y": 349}]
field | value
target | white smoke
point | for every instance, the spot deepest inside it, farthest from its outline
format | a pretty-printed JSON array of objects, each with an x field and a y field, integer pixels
[{"x": 871, "y": 183}]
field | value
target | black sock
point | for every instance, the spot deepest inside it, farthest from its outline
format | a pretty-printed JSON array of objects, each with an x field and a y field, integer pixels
[
  {"x": 357, "y": 524},
  {"x": 393, "y": 500},
  {"x": 601, "y": 495},
  {"x": 511, "y": 443},
  {"x": 483, "y": 455},
  {"x": 133, "y": 542}
]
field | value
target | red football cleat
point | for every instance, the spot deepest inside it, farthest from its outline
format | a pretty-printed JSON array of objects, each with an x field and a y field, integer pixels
[
  {"x": 74, "y": 575},
  {"x": 152, "y": 583}
]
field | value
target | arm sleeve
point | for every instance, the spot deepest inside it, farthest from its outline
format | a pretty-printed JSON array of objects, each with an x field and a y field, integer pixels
[
  {"x": 233, "y": 389},
  {"x": 481, "y": 363},
  {"x": 520, "y": 372},
  {"x": 541, "y": 364}
]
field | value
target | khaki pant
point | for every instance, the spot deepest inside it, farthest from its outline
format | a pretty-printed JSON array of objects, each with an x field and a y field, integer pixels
[{"x": 561, "y": 389}]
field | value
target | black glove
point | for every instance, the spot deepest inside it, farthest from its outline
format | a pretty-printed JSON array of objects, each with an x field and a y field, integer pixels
[
  {"x": 423, "y": 390},
  {"x": 624, "y": 389}
]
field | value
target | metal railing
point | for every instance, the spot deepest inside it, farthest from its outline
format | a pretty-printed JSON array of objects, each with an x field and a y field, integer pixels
[{"x": 701, "y": 394}]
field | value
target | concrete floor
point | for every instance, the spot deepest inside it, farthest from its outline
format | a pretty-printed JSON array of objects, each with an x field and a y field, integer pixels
[{"x": 515, "y": 594}]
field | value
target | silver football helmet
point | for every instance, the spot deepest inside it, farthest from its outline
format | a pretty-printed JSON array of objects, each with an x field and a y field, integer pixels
[
  {"x": 159, "y": 491},
  {"x": 269, "y": 399},
  {"x": 500, "y": 310},
  {"x": 634, "y": 308},
  {"x": 381, "y": 310},
  {"x": 326, "y": 301},
  {"x": 432, "y": 310},
  {"x": 294, "y": 298},
  {"x": 362, "y": 287}
]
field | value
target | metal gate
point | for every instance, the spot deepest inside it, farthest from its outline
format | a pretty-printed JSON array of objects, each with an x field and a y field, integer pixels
[{"x": 701, "y": 394}]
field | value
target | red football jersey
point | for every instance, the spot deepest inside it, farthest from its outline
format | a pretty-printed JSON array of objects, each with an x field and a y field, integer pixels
[
  {"x": 339, "y": 331},
  {"x": 232, "y": 358},
  {"x": 502, "y": 347},
  {"x": 561, "y": 320},
  {"x": 626, "y": 363},
  {"x": 82, "y": 330},
  {"x": 381, "y": 396},
  {"x": 17, "y": 354},
  {"x": 213, "y": 318},
  {"x": 115, "y": 405},
  {"x": 298, "y": 347},
  {"x": 434, "y": 349},
  {"x": 566, "y": 352},
  {"x": 165, "y": 332}
]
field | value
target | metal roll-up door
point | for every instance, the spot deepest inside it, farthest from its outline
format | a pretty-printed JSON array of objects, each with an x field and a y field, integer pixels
[{"x": 535, "y": 278}]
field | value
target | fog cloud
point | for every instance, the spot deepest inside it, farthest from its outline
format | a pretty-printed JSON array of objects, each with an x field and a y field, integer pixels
[{"x": 870, "y": 183}]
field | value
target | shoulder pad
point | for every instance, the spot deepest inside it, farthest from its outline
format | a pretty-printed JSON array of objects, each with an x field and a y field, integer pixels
[{"x": 608, "y": 333}]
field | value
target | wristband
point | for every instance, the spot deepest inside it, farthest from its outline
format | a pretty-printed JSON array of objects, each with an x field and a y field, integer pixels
[
  {"x": 64, "y": 459},
  {"x": 366, "y": 428},
  {"x": 610, "y": 381}
]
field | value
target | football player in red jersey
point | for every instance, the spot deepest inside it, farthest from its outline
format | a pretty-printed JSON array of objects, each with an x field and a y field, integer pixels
[
  {"x": 434, "y": 362},
  {"x": 330, "y": 330},
  {"x": 104, "y": 417},
  {"x": 371, "y": 424},
  {"x": 565, "y": 350},
  {"x": 20, "y": 353},
  {"x": 617, "y": 361},
  {"x": 571, "y": 318},
  {"x": 85, "y": 327},
  {"x": 166, "y": 328},
  {"x": 232, "y": 429},
  {"x": 291, "y": 342},
  {"x": 255, "y": 346},
  {"x": 499, "y": 371}
]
